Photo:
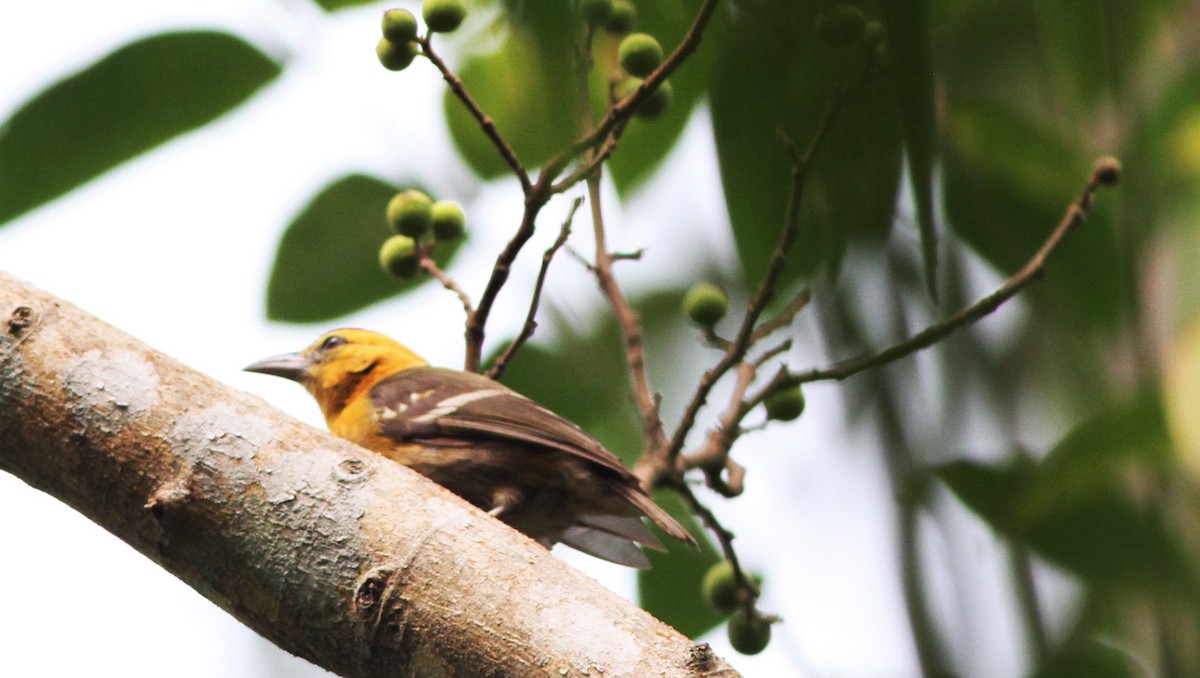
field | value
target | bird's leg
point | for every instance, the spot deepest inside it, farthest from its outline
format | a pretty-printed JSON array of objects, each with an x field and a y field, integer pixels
[{"x": 505, "y": 499}]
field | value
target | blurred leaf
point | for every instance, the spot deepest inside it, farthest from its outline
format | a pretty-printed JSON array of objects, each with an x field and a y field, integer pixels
[
  {"x": 992, "y": 491},
  {"x": 1089, "y": 645},
  {"x": 1093, "y": 47},
  {"x": 1167, "y": 147},
  {"x": 983, "y": 52},
  {"x": 1181, "y": 392},
  {"x": 910, "y": 65},
  {"x": 1008, "y": 182},
  {"x": 773, "y": 74},
  {"x": 1091, "y": 660},
  {"x": 1078, "y": 512},
  {"x": 1073, "y": 508},
  {"x": 125, "y": 104},
  {"x": 1095, "y": 454},
  {"x": 327, "y": 264},
  {"x": 1110, "y": 541},
  {"x": 527, "y": 86},
  {"x": 334, "y": 5}
]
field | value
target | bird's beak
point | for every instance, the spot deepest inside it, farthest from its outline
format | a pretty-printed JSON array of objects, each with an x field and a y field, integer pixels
[{"x": 294, "y": 366}]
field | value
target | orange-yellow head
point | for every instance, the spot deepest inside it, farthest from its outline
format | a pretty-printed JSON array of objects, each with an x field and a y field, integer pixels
[{"x": 341, "y": 365}]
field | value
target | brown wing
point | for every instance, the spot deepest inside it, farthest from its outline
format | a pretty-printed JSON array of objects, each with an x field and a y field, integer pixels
[{"x": 430, "y": 403}]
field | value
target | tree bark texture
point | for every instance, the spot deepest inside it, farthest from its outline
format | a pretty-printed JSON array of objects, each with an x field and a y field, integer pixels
[{"x": 337, "y": 555}]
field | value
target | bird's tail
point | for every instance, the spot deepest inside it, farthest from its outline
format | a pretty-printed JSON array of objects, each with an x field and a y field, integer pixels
[{"x": 636, "y": 496}]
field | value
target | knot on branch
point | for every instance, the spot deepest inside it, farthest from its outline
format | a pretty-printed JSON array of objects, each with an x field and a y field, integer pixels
[
  {"x": 352, "y": 471},
  {"x": 702, "y": 661},
  {"x": 168, "y": 496},
  {"x": 370, "y": 592},
  {"x": 20, "y": 320},
  {"x": 376, "y": 604}
]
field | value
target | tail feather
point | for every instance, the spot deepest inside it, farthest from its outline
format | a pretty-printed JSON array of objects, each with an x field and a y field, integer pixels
[
  {"x": 605, "y": 545},
  {"x": 634, "y": 495},
  {"x": 630, "y": 528}
]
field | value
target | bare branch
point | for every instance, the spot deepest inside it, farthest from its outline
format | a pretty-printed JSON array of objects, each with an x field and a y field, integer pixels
[
  {"x": 628, "y": 321},
  {"x": 785, "y": 317},
  {"x": 425, "y": 260},
  {"x": 527, "y": 330},
  {"x": 485, "y": 121},
  {"x": 747, "y": 590},
  {"x": 477, "y": 321},
  {"x": 1032, "y": 270},
  {"x": 744, "y": 338}
]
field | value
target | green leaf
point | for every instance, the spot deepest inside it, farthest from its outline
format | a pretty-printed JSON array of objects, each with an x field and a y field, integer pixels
[
  {"x": 528, "y": 88},
  {"x": 1092, "y": 48},
  {"x": 910, "y": 67},
  {"x": 1074, "y": 508},
  {"x": 992, "y": 491},
  {"x": 125, "y": 104},
  {"x": 327, "y": 264},
  {"x": 773, "y": 74},
  {"x": 1166, "y": 149},
  {"x": 1109, "y": 540},
  {"x": 334, "y": 5},
  {"x": 1094, "y": 659}
]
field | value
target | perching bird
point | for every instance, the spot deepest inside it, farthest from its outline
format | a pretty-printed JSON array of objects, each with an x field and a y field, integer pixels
[{"x": 497, "y": 449}]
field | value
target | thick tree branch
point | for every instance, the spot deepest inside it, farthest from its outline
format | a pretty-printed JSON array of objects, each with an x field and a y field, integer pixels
[{"x": 337, "y": 555}]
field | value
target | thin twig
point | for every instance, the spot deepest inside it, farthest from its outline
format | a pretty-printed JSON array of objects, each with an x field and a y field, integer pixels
[
  {"x": 485, "y": 121},
  {"x": 477, "y": 321},
  {"x": 628, "y": 321},
  {"x": 1032, "y": 270},
  {"x": 527, "y": 330},
  {"x": 425, "y": 260},
  {"x": 635, "y": 255},
  {"x": 713, "y": 456},
  {"x": 784, "y": 317},
  {"x": 748, "y": 591},
  {"x": 766, "y": 288},
  {"x": 595, "y": 159}
]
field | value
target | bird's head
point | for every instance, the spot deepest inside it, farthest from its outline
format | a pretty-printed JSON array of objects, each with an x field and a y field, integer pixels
[{"x": 339, "y": 363}]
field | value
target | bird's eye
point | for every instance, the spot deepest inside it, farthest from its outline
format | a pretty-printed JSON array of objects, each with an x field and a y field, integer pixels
[{"x": 332, "y": 341}]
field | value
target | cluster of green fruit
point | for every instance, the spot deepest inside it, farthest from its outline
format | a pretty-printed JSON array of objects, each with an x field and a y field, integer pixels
[
  {"x": 845, "y": 24},
  {"x": 615, "y": 16},
  {"x": 413, "y": 215},
  {"x": 638, "y": 54},
  {"x": 398, "y": 46},
  {"x": 748, "y": 633},
  {"x": 706, "y": 304}
]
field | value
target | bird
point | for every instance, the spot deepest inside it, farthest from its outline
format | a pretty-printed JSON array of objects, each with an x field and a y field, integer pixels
[{"x": 499, "y": 450}]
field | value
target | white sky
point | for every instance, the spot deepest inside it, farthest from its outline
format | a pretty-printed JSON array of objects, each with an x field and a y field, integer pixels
[{"x": 175, "y": 249}]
